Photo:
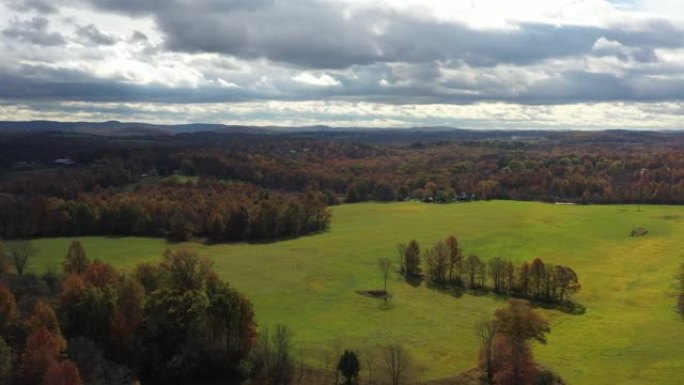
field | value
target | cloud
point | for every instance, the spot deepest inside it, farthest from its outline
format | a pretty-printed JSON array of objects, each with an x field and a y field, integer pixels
[
  {"x": 40, "y": 6},
  {"x": 34, "y": 31},
  {"x": 138, "y": 37},
  {"x": 322, "y": 80},
  {"x": 89, "y": 34}
]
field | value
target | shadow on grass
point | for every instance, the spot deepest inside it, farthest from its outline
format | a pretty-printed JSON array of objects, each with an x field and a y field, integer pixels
[
  {"x": 267, "y": 241},
  {"x": 414, "y": 280},
  {"x": 385, "y": 296},
  {"x": 567, "y": 307}
]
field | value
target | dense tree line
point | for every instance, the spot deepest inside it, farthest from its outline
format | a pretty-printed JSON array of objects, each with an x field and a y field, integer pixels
[
  {"x": 444, "y": 265},
  {"x": 175, "y": 321},
  {"x": 578, "y": 168},
  {"x": 211, "y": 209}
]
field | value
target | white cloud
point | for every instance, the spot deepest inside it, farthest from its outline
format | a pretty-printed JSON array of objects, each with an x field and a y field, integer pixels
[{"x": 320, "y": 80}]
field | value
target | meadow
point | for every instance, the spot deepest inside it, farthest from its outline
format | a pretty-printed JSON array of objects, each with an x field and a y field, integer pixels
[{"x": 630, "y": 333}]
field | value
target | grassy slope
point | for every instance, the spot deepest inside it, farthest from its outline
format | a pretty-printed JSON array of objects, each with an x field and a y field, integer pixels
[{"x": 629, "y": 335}]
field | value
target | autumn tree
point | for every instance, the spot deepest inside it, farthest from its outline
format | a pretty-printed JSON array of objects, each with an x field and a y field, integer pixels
[
  {"x": 199, "y": 324},
  {"x": 9, "y": 314},
  {"x": 349, "y": 367},
  {"x": 517, "y": 325},
  {"x": 437, "y": 263},
  {"x": 151, "y": 276},
  {"x": 537, "y": 277},
  {"x": 62, "y": 373},
  {"x": 75, "y": 260},
  {"x": 473, "y": 267},
  {"x": 231, "y": 329},
  {"x": 186, "y": 270},
  {"x": 127, "y": 317},
  {"x": 519, "y": 322},
  {"x": 455, "y": 260},
  {"x": 512, "y": 366},
  {"x": 100, "y": 274},
  {"x": 412, "y": 260},
  {"x": 41, "y": 350},
  {"x": 44, "y": 316},
  {"x": 523, "y": 279},
  {"x": 566, "y": 282},
  {"x": 86, "y": 309}
]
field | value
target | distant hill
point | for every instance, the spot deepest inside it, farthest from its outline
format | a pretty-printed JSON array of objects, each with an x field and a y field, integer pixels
[
  {"x": 414, "y": 135},
  {"x": 116, "y": 128}
]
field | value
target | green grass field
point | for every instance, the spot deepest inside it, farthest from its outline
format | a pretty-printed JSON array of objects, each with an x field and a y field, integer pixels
[{"x": 630, "y": 333}]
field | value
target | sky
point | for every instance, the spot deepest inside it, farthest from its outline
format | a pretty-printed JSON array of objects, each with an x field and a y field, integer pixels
[{"x": 483, "y": 64}]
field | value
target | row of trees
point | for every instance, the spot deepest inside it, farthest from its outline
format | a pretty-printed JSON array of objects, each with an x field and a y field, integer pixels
[
  {"x": 167, "y": 322},
  {"x": 444, "y": 265},
  {"x": 215, "y": 210}
]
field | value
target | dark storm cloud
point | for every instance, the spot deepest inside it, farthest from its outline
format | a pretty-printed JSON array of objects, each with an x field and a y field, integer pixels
[
  {"x": 34, "y": 82},
  {"x": 318, "y": 35},
  {"x": 33, "y": 31}
]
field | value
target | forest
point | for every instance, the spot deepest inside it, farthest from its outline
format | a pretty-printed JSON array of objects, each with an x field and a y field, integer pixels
[{"x": 257, "y": 187}]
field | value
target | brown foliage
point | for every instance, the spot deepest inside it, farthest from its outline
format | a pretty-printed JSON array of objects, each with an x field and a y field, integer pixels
[
  {"x": 75, "y": 261},
  {"x": 100, "y": 274},
  {"x": 513, "y": 365},
  {"x": 44, "y": 316},
  {"x": 62, "y": 373},
  {"x": 8, "y": 309},
  {"x": 41, "y": 350},
  {"x": 519, "y": 322}
]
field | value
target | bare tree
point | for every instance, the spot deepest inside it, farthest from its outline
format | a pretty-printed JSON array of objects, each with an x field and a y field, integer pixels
[
  {"x": 385, "y": 265},
  {"x": 369, "y": 358},
  {"x": 396, "y": 363},
  {"x": 20, "y": 253},
  {"x": 497, "y": 267},
  {"x": 283, "y": 370},
  {"x": 486, "y": 331}
]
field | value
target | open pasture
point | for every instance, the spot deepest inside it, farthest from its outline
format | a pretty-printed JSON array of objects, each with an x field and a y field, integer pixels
[{"x": 630, "y": 333}]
